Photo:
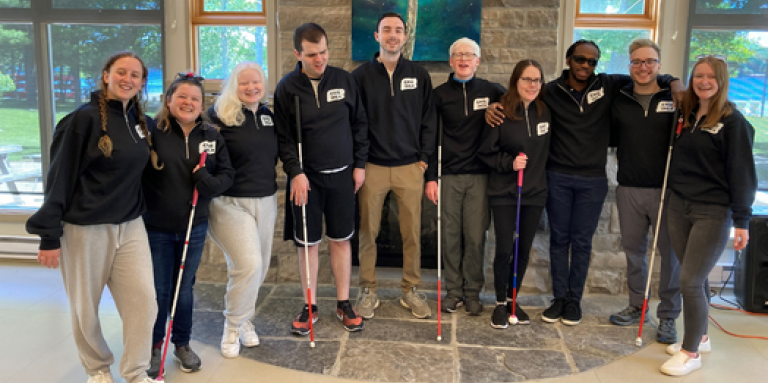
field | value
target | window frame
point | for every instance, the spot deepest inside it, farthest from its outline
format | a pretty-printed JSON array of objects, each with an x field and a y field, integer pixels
[{"x": 649, "y": 19}]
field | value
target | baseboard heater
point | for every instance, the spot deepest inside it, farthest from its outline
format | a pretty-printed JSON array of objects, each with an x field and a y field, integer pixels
[{"x": 18, "y": 247}]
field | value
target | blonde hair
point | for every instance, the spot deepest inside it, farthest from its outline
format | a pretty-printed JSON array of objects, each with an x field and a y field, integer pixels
[
  {"x": 465, "y": 40},
  {"x": 644, "y": 43},
  {"x": 228, "y": 107},
  {"x": 719, "y": 106}
]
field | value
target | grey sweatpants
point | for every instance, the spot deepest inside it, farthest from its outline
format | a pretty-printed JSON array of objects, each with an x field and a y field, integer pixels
[
  {"x": 638, "y": 212},
  {"x": 244, "y": 229},
  {"x": 465, "y": 219},
  {"x": 116, "y": 256}
]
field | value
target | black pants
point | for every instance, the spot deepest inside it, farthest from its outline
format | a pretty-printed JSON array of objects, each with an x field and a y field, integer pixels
[{"x": 504, "y": 223}]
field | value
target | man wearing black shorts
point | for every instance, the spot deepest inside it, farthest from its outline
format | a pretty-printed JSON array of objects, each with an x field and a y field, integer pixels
[{"x": 334, "y": 137}]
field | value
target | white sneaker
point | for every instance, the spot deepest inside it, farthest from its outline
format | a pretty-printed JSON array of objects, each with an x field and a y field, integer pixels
[
  {"x": 704, "y": 347},
  {"x": 101, "y": 377},
  {"x": 681, "y": 364},
  {"x": 230, "y": 342},
  {"x": 248, "y": 336},
  {"x": 148, "y": 380}
]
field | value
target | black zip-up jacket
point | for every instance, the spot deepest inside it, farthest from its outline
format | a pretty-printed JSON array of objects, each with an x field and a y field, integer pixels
[
  {"x": 169, "y": 190},
  {"x": 715, "y": 165},
  {"x": 461, "y": 116},
  {"x": 252, "y": 149},
  {"x": 530, "y": 135},
  {"x": 581, "y": 128},
  {"x": 334, "y": 129},
  {"x": 642, "y": 138},
  {"x": 401, "y": 113},
  {"x": 84, "y": 187}
]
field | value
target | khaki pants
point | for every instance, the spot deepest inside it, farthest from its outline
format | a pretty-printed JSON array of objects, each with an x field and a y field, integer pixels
[{"x": 407, "y": 184}]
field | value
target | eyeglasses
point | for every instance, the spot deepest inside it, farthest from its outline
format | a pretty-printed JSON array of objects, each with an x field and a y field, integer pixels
[
  {"x": 582, "y": 59},
  {"x": 718, "y": 57},
  {"x": 531, "y": 81},
  {"x": 648, "y": 63},
  {"x": 190, "y": 76},
  {"x": 463, "y": 56}
]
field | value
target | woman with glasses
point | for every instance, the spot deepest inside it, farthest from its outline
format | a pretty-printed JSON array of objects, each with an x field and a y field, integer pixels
[
  {"x": 91, "y": 221},
  {"x": 243, "y": 218},
  {"x": 519, "y": 144},
  {"x": 713, "y": 183},
  {"x": 182, "y": 135}
]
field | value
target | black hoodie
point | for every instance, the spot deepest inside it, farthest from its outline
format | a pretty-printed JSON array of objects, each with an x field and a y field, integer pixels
[
  {"x": 530, "y": 135},
  {"x": 461, "y": 109},
  {"x": 168, "y": 191},
  {"x": 715, "y": 165},
  {"x": 401, "y": 113},
  {"x": 83, "y": 186}
]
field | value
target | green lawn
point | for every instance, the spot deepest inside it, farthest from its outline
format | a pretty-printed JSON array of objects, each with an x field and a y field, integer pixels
[{"x": 21, "y": 127}]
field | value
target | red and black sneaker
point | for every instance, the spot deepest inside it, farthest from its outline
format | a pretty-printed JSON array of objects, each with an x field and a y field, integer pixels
[
  {"x": 349, "y": 318},
  {"x": 300, "y": 325}
]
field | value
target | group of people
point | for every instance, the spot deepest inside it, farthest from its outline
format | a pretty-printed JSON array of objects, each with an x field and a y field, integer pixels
[{"x": 119, "y": 195}]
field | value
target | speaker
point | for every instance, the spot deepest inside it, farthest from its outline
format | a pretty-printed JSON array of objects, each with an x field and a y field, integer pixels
[{"x": 750, "y": 268}]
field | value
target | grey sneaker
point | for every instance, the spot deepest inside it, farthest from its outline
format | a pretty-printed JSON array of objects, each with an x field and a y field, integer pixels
[
  {"x": 417, "y": 303},
  {"x": 154, "y": 363},
  {"x": 367, "y": 301},
  {"x": 450, "y": 303},
  {"x": 667, "y": 333},
  {"x": 473, "y": 306},
  {"x": 628, "y": 316},
  {"x": 187, "y": 359}
]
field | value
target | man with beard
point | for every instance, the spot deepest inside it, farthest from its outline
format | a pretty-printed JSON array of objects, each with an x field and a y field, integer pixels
[
  {"x": 397, "y": 95},
  {"x": 642, "y": 116}
]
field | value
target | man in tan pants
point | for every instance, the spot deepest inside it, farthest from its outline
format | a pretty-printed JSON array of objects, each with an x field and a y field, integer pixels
[{"x": 397, "y": 95}]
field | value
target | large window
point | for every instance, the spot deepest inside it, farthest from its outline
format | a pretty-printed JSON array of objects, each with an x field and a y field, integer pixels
[
  {"x": 613, "y": 24},
  {"x": 51, "y": 55},
  {"x": 738, "y": 31},
  {"x": 227, "y": 32}
]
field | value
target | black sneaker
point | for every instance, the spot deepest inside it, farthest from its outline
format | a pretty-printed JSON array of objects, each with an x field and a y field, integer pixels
[
  {"x": 500, "y": 317},
  {"x": 473, "y": 306},
  {"x": 628, "y": 316},
  {"x": 522, "y": 316},
  {"x": 554, "y": 312},
  {"x": 450, "y": 303},
  {"x": 154, "y": 363},
  {"x": 667, "y": 333},
  {"x": 571, "y": 313},
  {"x": 187, "y": 359},
  {"x": 348, "y": 317}
]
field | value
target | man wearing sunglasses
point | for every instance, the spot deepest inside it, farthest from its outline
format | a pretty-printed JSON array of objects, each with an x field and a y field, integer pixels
[{"x": 580, "y": 103}]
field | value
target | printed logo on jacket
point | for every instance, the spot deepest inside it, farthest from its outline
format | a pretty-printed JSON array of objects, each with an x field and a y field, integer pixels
[
  {"x": 595, "y": 95},
  {"x": 665, "y": 107},
  {"x": 138, "y": 130},
  {"x": 335, "y": 95},
  {"x": 266, "y": 120},
  {"x": 208, "y": 147},
  {"x": 481, "y": 103},
  {"x": 409, "y": 83},
  {"x": 542, "y": 128}
]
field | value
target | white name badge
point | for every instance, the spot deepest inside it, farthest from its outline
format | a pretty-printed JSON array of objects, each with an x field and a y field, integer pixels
[
  {"x": 335, "y": 95},
  {"x": 595, "y": 95},
  {"x": 266, "y": 120},
  {"x": 409, "y": 83},
  {"x": 542, "y": 128},
  {"x": 715, "y": 129},
  {"x": 665, "y": 107},
  {"x": 481, "y": 103},
  {"x": 208, "y": 147},
  {"x": 138, "y": 130}
]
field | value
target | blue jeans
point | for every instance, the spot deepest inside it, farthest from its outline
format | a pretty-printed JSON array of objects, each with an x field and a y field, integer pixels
[
  {"x": 573, "y": 207},
  {"x": 167, "y": 249}
]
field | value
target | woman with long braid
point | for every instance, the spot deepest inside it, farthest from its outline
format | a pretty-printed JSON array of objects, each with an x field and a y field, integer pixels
[{"x": 91, "y": 223}]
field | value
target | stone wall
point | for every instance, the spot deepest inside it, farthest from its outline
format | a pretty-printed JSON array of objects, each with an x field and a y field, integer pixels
[{"x": 511, "y": 30}]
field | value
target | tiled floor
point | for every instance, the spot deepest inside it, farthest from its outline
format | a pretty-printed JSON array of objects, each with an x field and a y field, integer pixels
[{"x": 36, "y": 343}]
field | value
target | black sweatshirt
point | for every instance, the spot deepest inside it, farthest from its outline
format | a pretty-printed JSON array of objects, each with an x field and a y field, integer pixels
[
  {"x": 581, "y": 128},
  {"x": 401, "y": 113},
  {"x": 530, "y": 135},
  {"x": 461, "y": 109},
  {"x": 168, "y": 191},
  {"x": 334, "y": 130},
  {"x": 252, "y": 149},
  {"x": 84, "y": 187},
  {"x": 642, "y": 138},
  {"x": 715, "y": 165}
]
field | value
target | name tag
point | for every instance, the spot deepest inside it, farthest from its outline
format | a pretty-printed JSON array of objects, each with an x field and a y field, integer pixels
[
  {"x": 595, "y": 95},
  {"x": 542, "y": 128},
  {"x": 335, "y": 95},
  {"x": 715, "y": 129},
  {"x": 481, "y": 103},
  {"x": 409, "y": 83},
  {"x": 138, "y": 130},
  {"x": 208, "y": 147},
  {"x": 266, "y": 120},
  {"x": 665, "y": 107}
]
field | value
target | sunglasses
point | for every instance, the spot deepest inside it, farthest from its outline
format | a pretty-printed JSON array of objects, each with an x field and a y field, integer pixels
[
  {"x": 190, "y": 76},
  {"x": 718, "y": 57},
  {"x": 578, "y": 59}
]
